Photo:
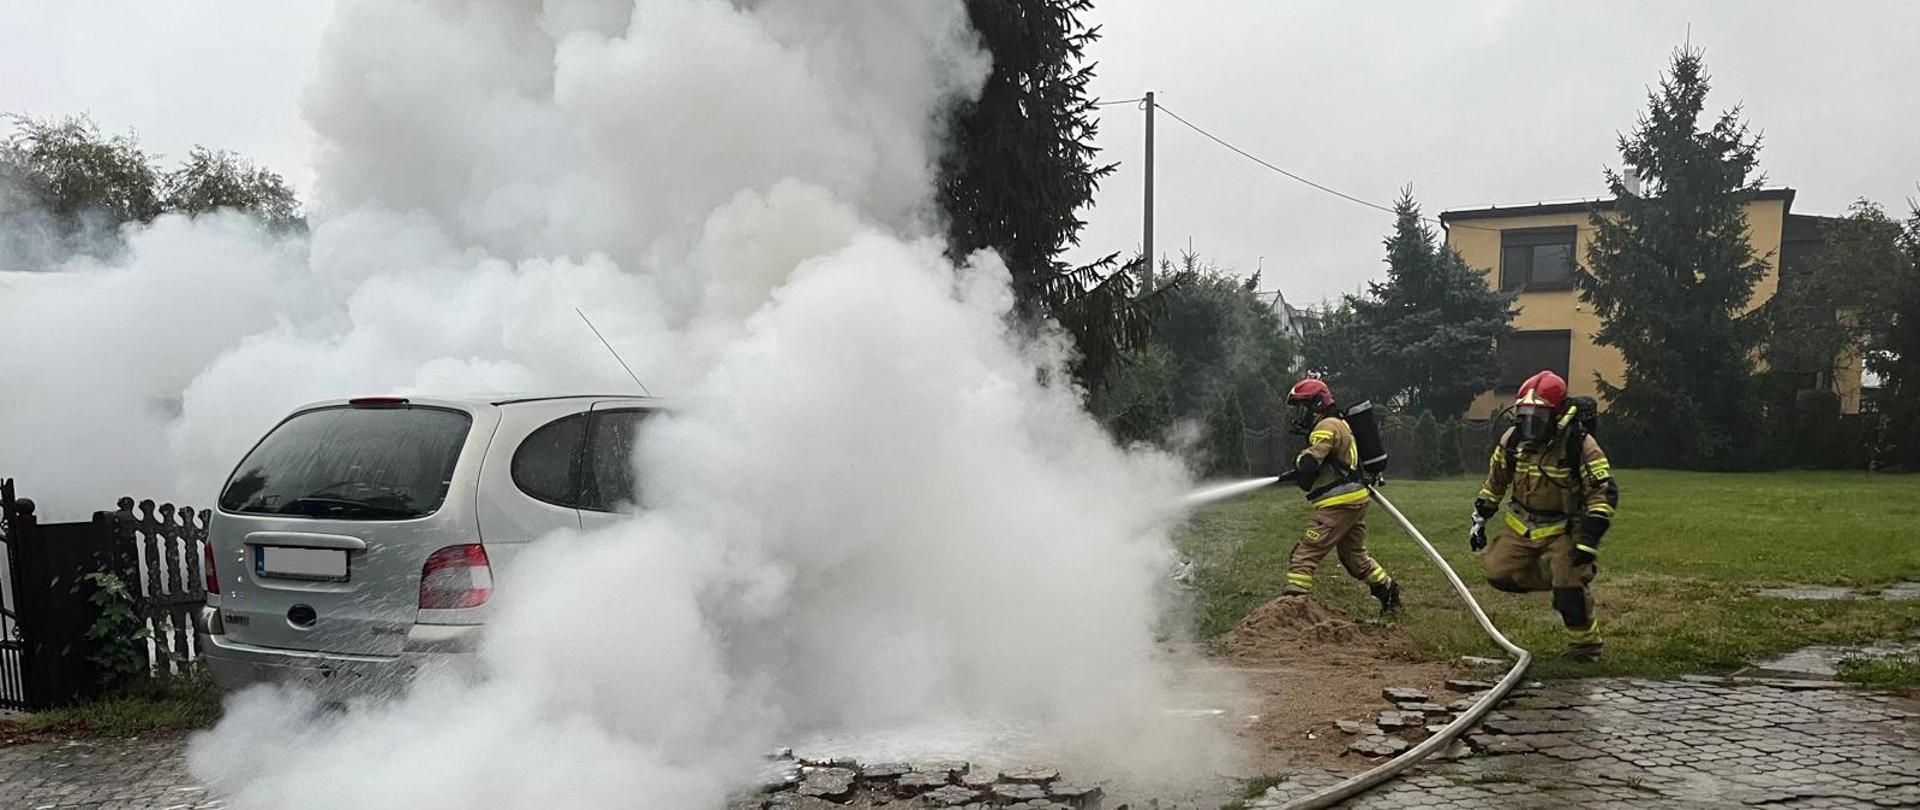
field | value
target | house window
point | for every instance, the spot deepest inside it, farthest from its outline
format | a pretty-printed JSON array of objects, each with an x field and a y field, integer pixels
[
  {"x": 1536, "y": 259},
  {"x": 1524, "y": 354}
]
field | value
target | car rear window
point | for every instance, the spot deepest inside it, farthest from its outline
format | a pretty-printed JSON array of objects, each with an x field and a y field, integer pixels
[{"x": 347, "y": 463}]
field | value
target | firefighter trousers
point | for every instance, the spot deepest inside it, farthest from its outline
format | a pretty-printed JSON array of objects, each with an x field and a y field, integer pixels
[
  {"x": 1518, "y": 563},
  {"x": 1334, "y": 528}
]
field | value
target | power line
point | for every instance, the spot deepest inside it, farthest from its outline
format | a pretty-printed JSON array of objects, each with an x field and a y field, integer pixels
[
  {"x": 1297, "y": 178},
  {"x": 1250, "y": 156},
  {"x": 1119, "y": 101}
]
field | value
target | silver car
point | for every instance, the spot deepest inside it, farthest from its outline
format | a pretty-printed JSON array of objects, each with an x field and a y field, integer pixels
[{"x": 358, "y": 542}]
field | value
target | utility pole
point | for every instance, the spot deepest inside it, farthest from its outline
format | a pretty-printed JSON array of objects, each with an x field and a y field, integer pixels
[{"x": 1146, "y": 237}]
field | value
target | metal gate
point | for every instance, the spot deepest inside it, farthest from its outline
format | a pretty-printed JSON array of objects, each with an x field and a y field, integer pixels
[{"x": 13, "y": 649}]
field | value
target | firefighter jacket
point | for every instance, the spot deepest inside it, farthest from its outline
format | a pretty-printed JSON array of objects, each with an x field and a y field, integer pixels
[
  {"x": 1550, "y": 486},
  {"x": 1337, "y": 482}
]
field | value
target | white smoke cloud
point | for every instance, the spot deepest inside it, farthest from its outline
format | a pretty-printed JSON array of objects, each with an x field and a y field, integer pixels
[{"x": 871, "y": 512}]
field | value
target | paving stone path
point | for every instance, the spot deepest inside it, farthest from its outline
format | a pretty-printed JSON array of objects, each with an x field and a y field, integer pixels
[
  {"x": 1683, "y": 744},
  {"x": 1606, "y": 743},
  {"x": 135, "y": 774}
]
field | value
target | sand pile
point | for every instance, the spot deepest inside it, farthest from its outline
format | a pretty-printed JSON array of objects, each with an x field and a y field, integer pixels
[{"x": 1290, "y": 625}]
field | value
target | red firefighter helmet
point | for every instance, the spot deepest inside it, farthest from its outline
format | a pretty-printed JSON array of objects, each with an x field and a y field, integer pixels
[
  {"x": 1545, "y": 388},
  {"x": 1309, "y": 398},
  {"x": 1539, "y": 402},
  {"x": 1312, "y": 392}
]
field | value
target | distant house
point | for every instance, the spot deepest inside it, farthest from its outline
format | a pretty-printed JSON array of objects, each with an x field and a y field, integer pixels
[
  {"x": 1294, "y": 321},
  {"x": 1531, "y": 250}
]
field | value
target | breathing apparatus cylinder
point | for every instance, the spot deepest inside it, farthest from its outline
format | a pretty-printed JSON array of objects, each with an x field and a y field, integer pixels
[{"x": 1366, "y": 438}]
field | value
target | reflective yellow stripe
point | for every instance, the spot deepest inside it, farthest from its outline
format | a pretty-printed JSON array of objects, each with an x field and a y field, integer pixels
[
  {"x": 1529, "y": 468},
  {"x": 1589, "y": 632},
  {"x": 1377, "y": 575},
  {"x": 1487, "y": 495},
  {"x": 1300, "y": 580},
  {"x": 1313, "y": 534},
  {"x": 1602, "y": 509},
  {"x": 1357, "y": 496},
  {"x": 1534, "y": 533},
  {"x": 1319, "y": 434},
  {"x": 1499, "y": 454}
]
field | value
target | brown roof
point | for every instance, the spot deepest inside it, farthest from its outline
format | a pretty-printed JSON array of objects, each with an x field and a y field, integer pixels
[{"x": 1573, "y": 207}]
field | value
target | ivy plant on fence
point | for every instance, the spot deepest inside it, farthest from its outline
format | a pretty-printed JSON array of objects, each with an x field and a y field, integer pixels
[{"x": 119, "y": 636}]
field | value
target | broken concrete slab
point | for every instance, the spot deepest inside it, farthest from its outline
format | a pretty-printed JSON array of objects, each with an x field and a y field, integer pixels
[
  {"x": 918, "y": 782},
  {"x": 885, "y": 770},
  {"x": 979, "y": 780},
  {"x": 1469, "y": 686},
  {"x": 1010, "y": 792},
  {"x": 1405, "y": 694},
  {"x": 1030, "y": 776},
  {"x": 1477, "y": 662},
  {"x": 1378, "y": 746},
  {"x": 1076, "y": 796},
  {"x": 1397, "y": 720},
  {"x": 828, "y": 783},
  {"x": 950, "y": 767},
  {"x": 950, "y": 796}
]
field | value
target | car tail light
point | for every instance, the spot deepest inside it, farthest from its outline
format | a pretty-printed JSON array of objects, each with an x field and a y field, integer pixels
[
  {"x": 456, "y": 577},
  {"x": 206, "y": 561}
]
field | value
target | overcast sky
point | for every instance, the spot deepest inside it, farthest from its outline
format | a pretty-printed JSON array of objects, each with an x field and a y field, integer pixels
[{"x": 1473, "y": 103}]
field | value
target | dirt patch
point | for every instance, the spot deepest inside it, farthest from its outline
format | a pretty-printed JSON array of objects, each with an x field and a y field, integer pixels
[
  {"x": 1310, "y": 666},
  {"x": 1282, "y": 626}
]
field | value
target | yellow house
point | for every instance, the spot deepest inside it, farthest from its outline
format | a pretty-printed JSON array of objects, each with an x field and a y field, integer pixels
[{"x": 1531, "y": 250}]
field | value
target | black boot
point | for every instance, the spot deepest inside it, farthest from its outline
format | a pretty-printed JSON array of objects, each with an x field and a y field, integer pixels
[{"x": 1389, "y": 595}]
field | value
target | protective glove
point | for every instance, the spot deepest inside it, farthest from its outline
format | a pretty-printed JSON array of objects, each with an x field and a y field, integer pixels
[
  {"x": 1482, "y": 509},
  {"x": 1583, "y": 554},
  {"x": 1592, "y": 527}
]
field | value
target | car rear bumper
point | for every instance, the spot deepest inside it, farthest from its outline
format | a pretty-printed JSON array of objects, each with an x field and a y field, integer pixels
[{"x": 237, "y": 666}]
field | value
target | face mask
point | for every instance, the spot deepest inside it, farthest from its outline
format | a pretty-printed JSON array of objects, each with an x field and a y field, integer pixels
[
  {"x": 1532, "y": 423},
  {"x": 1303, "y": 418}
]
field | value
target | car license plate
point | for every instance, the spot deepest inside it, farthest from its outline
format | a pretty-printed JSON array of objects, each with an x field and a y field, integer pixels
[{"x": 326, "y": 564}]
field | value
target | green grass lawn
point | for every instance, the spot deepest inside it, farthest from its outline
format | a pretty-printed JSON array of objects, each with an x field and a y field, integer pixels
[{"x": 1677, "y": 572}]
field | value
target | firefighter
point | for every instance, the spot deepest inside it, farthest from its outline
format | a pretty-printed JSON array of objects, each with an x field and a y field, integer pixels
[
  {"x": 1329, "y": 472},
  {"x": 1563, "y": 497}
]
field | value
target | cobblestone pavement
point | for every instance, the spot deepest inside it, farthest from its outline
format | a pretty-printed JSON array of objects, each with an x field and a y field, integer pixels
[
  {"x": 1683, "y": 744},
  {"x": 136, "y": 774},
  {"x": 1600, "y": 744}
]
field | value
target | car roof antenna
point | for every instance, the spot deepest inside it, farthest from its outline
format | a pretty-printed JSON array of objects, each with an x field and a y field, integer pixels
[{"x": 616, "y": 355}]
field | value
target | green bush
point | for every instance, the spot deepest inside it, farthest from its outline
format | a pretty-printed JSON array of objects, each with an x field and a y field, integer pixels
[
  {"x": 1426, "y": 448},
  {"x": 119, "y": 637}
]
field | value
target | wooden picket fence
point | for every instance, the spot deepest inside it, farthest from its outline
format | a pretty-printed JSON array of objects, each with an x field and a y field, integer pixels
[{"x": 167, "y": 543}]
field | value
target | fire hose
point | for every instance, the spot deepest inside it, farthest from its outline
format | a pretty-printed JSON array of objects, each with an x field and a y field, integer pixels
[{"x": 1373, "y": 777}]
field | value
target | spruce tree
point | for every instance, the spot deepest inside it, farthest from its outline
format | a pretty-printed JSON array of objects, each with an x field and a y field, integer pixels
[
  {"x": 1021, "y": 165},
  {"x": 1425, "y": 338},
  {"x": 1670, "y": 273},
  {"x": 1893, "y": 350}
]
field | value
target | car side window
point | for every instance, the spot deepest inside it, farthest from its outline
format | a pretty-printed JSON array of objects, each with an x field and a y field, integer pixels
[
  {"x": 611, "y": 486},
  {"x": 548, "y": 464}
]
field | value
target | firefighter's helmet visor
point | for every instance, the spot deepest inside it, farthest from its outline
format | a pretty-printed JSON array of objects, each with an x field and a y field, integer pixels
[{"x": 1532, "y": 422}]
